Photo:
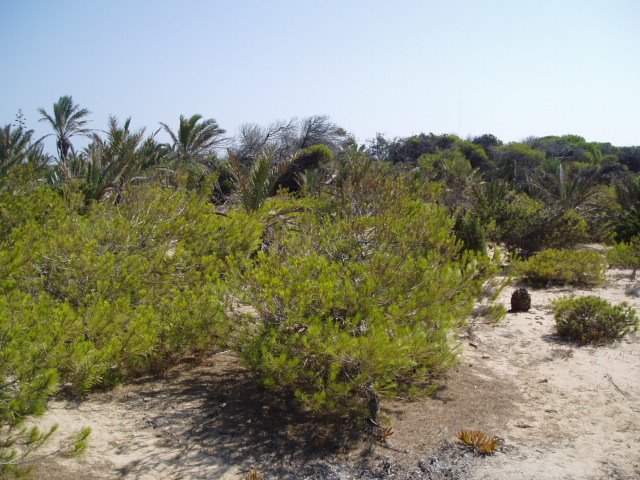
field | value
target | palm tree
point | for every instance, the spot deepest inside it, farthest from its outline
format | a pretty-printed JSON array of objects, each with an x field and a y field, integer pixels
[
  {"x": 253, "y": 183},
  {"x": 264, "y": 177},
  {"x": 16, "y": 147},
  {"x": 115, "y": 161},
  {"x": 571, "y": 187},
  {"x": 627, "y": 223},
  {"x": 67, "y": 121},
  {"x": 194, "y": 142}
]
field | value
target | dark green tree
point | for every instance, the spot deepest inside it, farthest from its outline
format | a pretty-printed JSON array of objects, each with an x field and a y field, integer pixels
[{"x": 518, "y": 163}]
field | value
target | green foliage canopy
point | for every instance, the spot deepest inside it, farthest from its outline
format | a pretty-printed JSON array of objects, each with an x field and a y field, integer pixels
[{"x": 358, "y": 304}]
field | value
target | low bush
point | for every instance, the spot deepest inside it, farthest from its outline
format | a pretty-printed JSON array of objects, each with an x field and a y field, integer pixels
[
  {"x": 625, "y": 255},
  {"x": 564, "y": 267},
  {"x": 592, "y": 319}
]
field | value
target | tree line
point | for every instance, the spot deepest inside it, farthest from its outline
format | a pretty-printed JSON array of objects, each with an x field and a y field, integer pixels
[{"x": 494, "y": 189}]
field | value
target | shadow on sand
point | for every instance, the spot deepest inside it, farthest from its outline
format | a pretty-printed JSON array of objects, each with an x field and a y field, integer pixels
[{"x": 213, "y": 417}]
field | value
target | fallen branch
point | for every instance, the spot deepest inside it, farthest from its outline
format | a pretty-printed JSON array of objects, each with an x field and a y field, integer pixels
[{"x": 608, "y": 377}]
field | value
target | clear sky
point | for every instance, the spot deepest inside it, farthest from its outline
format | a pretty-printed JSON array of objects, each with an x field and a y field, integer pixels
[{"x": 512, "y": 68}]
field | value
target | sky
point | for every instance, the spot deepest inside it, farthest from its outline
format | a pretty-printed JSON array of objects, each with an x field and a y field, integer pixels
[{"x": 511, "y": 68}]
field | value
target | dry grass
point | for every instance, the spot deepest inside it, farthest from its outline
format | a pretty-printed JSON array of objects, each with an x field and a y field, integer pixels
[{"x": 254, "y": 475}]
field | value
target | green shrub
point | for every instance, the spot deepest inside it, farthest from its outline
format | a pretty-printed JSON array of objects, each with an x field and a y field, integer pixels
[
  {"x": 625, "y": 255},
  {"x": 357, "y": 307},
  {"x": 529, "y": 225},
  {"x": 626, "y": 218},
  {"x": 469, "y": 229},
  {"x": 95, "y": 297},
  {"x": 139, "y": 282},
  {"x": 566, "y": 229},
  {"x": 28, "y": 376},
  {"x": 592, "y": 319},
  {"x": 571, "y": 267},
  {"x": 518, "y": 222}
]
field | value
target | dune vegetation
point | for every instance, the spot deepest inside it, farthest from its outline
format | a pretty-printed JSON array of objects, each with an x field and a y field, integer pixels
[{"x": 338, "y": 272}]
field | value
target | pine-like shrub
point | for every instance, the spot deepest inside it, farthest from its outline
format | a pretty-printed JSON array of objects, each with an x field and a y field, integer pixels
[
  {"x": 625, "y": 255},
  {"x": 469, "y": 229},
  {"x": 528, "y": 225},
  {"x": 27, "y": 376},
  {"x": 90, "y": 296},
  {"x": 592, "y": 319},
  {"x": 350, "y": 308},
  {"x": 571, "y": 267},
  {"x": 140, "y": 282},
  {"x": 32, "y": 328}
]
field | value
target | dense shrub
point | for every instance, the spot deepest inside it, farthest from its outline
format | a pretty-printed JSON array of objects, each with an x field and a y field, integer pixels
[
  {"x": 566, "y": 229},
  {"x": 572, "y": 267},
  {"x": 528, "y": 225},
  {"x": 625, "y": 255},
  {"x": 27, "y": 373},
  {"x": 138, "y": 282},
  {"x": 89, "y": 299},
  {"x": 355, "y": 307},
  {"x": 469, "y": 229},
  {"x": 592, "y": 319}
]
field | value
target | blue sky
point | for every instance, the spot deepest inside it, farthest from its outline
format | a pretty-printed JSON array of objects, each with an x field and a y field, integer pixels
[{"x": 511, "y": 68}]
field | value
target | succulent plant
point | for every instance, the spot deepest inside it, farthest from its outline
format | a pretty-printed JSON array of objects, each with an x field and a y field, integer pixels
[
  {"x": 480, "y": 441},
  {"x": 520, "y": 300}
]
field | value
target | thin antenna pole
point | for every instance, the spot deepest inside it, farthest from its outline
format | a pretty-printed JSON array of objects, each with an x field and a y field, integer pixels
[{"x": 459, "y": 115}]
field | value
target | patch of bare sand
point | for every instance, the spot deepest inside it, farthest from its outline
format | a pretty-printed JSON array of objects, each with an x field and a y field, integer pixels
[
  {"x": 565, "y": 412},
  {"x": 580, "y": 414}
]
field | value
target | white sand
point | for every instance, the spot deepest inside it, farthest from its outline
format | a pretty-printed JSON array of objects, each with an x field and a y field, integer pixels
[{"x": 581, "y": 415}]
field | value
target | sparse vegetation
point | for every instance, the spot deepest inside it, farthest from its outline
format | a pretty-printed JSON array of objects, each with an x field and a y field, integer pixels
[
  {"x": 496, "y": 313},
  {"x": 593, "y": 320},
  {"x": 492, "y": 313}
]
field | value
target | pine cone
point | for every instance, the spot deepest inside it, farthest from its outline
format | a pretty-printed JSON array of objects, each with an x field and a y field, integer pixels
[{"x": 520, "y": 300}]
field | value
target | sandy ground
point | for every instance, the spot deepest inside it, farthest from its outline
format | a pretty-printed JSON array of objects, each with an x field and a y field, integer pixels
[
  {"x": 564, "y": 412},
  {"x": 580, "y": 412}
]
